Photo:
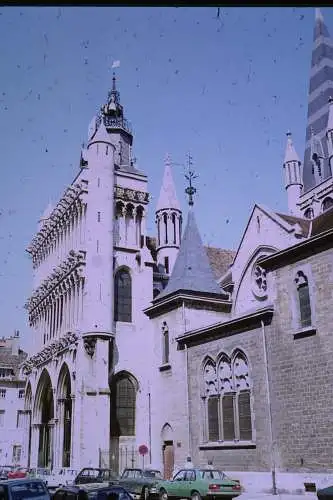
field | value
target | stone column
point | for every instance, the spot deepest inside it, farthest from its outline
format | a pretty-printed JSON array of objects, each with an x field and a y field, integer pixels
[
  {"x": 35, "y": 432},
  {"x": 60, "y": 443},
  {"x": 72, "y": 429}
]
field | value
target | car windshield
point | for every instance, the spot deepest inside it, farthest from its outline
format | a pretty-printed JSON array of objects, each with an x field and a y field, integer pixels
[
  {"x": 211, "y": 474},
  {"x": 90, "y": 472},
  {"x": 27, "y": 490},
  {"x": 154, "y": 474}
]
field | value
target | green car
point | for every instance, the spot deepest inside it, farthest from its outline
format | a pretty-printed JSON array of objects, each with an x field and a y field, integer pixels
[
  {"x": 198, "y": 484},
  {"x": 138, "y": 482}
]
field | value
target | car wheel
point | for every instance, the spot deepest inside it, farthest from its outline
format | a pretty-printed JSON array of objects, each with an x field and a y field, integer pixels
[
  {"x": 145, "y": 493},
  {"x": 195, "y": 496},
  {"x": 163, "y": 495}
]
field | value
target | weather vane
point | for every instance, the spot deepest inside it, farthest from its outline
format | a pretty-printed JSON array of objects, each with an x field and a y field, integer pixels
[{"x": 190, "y": 190}]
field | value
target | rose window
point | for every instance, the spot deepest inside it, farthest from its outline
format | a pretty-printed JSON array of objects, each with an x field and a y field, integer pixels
[{"x": 259, "y": 279}]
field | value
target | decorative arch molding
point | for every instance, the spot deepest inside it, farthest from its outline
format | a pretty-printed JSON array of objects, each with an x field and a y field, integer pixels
[
  {"x": 167, "y": 432},
  {"x": 64, "y": 375},
  {"x": 28, "y": 399},
  {"x": 126, "y": 374},
  {"x": 259, "y": 251},
  {"x": 44, "y": 383},
  {"x": 327, "y": 203}
]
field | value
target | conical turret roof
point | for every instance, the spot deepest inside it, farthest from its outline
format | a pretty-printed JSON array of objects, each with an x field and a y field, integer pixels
[{"x": 168, "y": 196}]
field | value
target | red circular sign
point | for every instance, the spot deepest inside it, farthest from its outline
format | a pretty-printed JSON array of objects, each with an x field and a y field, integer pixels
[{"x": 143, "y": 450}]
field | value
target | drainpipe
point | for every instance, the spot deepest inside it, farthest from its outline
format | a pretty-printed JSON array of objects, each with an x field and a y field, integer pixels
[
  {"x": 149, "y": 422},
  {"x": 273, "y": 469},
  {"x": 187, "y": 386}
]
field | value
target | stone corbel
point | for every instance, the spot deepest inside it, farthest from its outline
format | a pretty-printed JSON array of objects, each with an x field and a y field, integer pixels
[{"x": 89, "y": 345}]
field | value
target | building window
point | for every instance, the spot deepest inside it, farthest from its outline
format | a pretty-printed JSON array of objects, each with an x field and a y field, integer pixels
[
  {"x": 165, "y": 220},
  {"x": 227, "y": 396},
  {"x": 17, "y": 449},
  {"x": 20, "y": 419},
  {"x": 327, "y": 203},
  {"x": 123, "y": 296},
  {"x": 309, "y": 214},
  {"x": 125, "y": 406},
  {"x": 2, "y": 393},
  {"x": 303, "y": 299},
  {"x": 21, "y": 393},
  {"x": 166, "y": 265},
  {"x": 2, "y": 418},
  {"x": 165, "y": 343},
  {"x": 98, "y": 216},
  {"x": 174, "y": 225}
]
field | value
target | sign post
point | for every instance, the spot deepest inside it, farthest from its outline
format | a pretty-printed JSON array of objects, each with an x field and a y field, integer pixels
[{"x": 143, "y": 450}]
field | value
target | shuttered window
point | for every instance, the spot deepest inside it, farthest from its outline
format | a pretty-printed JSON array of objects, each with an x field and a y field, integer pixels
[
  {"x": 304, "y": 304},
  {"x": 213, "y": 418},
  {"x": 228, "y": 417},
  {"x": 244, "y": 415}
]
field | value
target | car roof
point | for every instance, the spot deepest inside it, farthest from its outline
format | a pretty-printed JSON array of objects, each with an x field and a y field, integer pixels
[
  {"x": 9, "y": 482},
  {"x": 91, "y": 486}
]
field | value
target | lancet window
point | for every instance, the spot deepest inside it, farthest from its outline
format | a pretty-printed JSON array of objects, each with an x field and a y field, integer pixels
[
  {"x": 227, "y": 399},
  {"x": 123, "y": 296}
]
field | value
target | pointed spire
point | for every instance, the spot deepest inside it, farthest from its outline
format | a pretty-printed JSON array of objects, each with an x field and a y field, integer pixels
[
  {"x": 318, "y": 15},
  {"x": 320, "y": 88},
  {"x": 168, "y": 196},
  {"x": 101, "y": 135},
  {"x": 290, "y": 154},
  {"x": 192, "y": 271}
]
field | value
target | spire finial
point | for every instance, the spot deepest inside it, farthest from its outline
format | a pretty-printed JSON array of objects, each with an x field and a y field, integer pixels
[
  {"x": 318, "y": 14},
  {"x": 114, "y": 82},
  {"x": 190, "y": 190}
]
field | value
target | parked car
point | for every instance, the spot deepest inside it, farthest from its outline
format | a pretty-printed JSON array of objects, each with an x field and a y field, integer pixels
[
  {"x": 197, "y": 484},
  {"x": 4, "y": 469},
  {"x": 42, "y": 473},
  {"x": 60, "y": 477},
  {"x": 17, "y": 473},
  {"x": 94, "y": 475},
  {"x": 17, "y": 489},
  {"x": 92, "y": 491},
  {"x": 325, "y": 493},
  {"x": 139, "y": 481}
]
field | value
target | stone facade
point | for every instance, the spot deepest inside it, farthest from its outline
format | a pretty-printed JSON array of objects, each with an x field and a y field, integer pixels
[
  {"x": 216, "y": 354},
  {"x": 13, "y": 418}
]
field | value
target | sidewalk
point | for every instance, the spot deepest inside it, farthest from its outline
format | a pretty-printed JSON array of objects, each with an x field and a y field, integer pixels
[{"x": 283, "y": 496}]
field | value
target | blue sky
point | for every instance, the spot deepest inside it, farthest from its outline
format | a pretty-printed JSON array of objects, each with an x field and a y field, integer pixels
[{"x": 226, "y": 89}]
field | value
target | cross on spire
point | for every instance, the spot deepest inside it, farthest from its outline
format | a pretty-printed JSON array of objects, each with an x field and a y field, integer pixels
[{"x": 190, "y": 190}]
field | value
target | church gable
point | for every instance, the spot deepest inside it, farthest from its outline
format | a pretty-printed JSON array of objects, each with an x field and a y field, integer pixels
[{"x": 266, "y": 233}]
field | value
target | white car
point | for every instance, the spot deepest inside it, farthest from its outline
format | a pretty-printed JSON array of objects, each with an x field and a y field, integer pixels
[{"x": 61, "y": 477}]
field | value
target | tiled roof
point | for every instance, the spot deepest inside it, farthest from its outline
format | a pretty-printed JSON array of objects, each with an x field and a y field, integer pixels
[
  {"x": 220, "y": 260},
  {"x": 9, "y": 360},
  {"x": 322, "y": 223},
  {"x": 192, "y": 270},
  {"x": 304, "y": 223}
]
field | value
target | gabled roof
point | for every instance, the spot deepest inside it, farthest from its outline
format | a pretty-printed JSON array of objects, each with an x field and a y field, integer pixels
[
  {"x": 304, "y": 223},
  {"x": 322, "y": 223},
  {"x": 220, "y": 260},
  {"x": 192, "y": 270}
]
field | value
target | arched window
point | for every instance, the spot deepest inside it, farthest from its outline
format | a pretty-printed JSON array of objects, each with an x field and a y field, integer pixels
[
  {"x": 165, "y": 343},
  {"x": 165, "y": 220},
  {"x": 308, "y": 214},
  {"x": 303, "y": 299},
  {"x": 125, "y": 402},
  {"x": 327, "y": 203},
  {"x": 123, "y": 296},
  {"x": 174, "y": 226},
  {"x": 228, "y": 399}
]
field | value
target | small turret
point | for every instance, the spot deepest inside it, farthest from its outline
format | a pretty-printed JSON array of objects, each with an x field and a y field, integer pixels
[
  {"x": 168, "y": 221},
  {"x": 293, "y": 177}
]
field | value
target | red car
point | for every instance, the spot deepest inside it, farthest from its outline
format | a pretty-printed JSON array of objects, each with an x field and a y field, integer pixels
[{"x": 18, "y": 473}]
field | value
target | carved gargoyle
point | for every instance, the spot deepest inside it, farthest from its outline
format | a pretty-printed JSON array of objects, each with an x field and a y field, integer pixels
[{"x": 89, "y": 345}]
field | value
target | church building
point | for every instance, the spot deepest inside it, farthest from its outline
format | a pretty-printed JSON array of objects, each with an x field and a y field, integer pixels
[{"x": 157, "y": 340}]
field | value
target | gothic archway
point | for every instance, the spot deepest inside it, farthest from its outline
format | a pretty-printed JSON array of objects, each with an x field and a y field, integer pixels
[
  {"x": 44, "y": 411},
  {"x": 28, "y": 408},
  {"x": 124, "y": 389},
  {"x": 65, "y": 414}
]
